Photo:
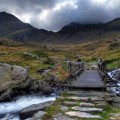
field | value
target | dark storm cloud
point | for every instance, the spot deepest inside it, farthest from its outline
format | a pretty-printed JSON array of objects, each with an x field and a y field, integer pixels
[{"x": 54, "y": 14}]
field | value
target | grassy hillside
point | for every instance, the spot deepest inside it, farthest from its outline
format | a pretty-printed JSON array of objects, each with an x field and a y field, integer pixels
[{"x": 43, "y": 57}]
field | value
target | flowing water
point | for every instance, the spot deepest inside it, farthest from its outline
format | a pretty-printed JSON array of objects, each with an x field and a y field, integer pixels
[
  {"x": 10, "y": 110},
  {"x": 115, "y": 90}
]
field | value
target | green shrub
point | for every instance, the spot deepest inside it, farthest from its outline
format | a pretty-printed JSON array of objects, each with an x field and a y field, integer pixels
[
  {"x": 48, "y": 61},
  {"x": 40, "y": 54}
]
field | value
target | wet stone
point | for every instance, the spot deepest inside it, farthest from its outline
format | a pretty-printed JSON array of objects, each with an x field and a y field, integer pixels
[
  {"x": 82, "y": 115},
  {"x": 86, "y": 109}
]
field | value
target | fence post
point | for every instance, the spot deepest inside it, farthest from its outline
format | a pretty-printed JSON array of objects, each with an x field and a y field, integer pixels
[{"x": 69, "y": 68}]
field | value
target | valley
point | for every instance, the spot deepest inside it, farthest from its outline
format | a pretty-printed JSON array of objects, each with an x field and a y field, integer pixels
[{"x": 34, "y": 63}]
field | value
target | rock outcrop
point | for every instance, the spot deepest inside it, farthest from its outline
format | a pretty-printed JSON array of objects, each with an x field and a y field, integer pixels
[
  {"x": 29, "y": 111},
  {"x": 15, "y": 80}
]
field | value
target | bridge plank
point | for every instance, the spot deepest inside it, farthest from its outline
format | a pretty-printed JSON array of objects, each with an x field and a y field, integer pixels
[{"x": 89, "y": 79}]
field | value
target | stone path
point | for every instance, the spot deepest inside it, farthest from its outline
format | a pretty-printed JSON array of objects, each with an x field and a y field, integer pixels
[{"x": 84, "y": 105}]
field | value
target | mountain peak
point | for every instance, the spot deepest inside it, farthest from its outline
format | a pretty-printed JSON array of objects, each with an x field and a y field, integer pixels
[
  {"x": 116, "y": 19},
  {"x": 4, "y": 16}
]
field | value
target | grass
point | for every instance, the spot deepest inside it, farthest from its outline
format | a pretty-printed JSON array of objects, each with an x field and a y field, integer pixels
[
  {"x": 43, "y": 57},
  {"x": 52, "y": 110}
]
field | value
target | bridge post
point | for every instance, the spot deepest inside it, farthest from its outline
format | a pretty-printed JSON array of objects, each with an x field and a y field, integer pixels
[{"x": 70, "y": 68}]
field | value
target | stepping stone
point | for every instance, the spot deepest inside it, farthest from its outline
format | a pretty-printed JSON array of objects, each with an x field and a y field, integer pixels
[
  {"x": 108, "y": 99},
  {"x": 93, "y": 99},
  {"x": 69, "y": 103},
  {"x": 97, "y": 99},
  {"x": 112, "y": 118},
  {"x": 78, "y": 98},
  {"x": 115, "y": 116},
  {"x": 101, "y": 103},
  {"x": 86, "y": 109},
  {"x": 64, "y": 108},
  {"x": 90, "y": 93},
  {"x": 82, "y": 115},
  {"x": 83, "y": 104},
  {"x": 61, "y": 117}
]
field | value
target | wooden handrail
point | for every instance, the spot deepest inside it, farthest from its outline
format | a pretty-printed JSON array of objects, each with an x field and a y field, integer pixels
[
  {"x": 77, "y": 67},
  {"x": 103, "y": 73}
]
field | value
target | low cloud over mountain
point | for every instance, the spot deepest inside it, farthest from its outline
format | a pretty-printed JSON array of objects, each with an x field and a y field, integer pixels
[{"x": 54, "y": 14}]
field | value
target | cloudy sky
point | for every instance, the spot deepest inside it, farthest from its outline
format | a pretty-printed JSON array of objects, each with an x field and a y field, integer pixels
[{"x": 54, "y": 14}]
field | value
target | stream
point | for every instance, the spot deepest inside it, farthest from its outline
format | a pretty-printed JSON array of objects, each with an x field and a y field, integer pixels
[
  {"x": 115, "y": 90},
  {"x": 10, "y": 110}
]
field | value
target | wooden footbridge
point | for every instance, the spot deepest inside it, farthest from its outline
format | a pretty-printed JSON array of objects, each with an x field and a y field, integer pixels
[
  {"x": 84, "y": 78},
  {"x": 89, "y": 79}
]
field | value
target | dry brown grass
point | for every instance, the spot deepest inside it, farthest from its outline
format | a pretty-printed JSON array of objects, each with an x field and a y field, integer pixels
[{"x": 58, "y": 53}]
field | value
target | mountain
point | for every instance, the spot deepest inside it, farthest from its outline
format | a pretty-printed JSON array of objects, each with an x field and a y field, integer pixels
[
  {"x": 11, "y": 27},
  {"x": 9, "y": 24}
]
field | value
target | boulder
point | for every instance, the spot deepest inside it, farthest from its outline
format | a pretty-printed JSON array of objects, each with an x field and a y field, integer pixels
[
  {"x": 19, "y": 73},
  {"x": 116, "y": 75},
  {"x": 7, "y": 95},
  {"x": 5, "y": 70},
  {"x": 47, "y": 90},
  {"x": 43, "y": 87},
  {"x": 29, "y": 111},
  {"x": 15, "y": 80},
  {"x": 24, "y": 85}
]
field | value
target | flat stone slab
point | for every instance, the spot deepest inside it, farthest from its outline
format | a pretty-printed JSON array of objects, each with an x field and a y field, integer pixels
[
  {"x": 97, "y": 99},
  {"x": 85, "y": 98},
  {"x": 31, "y": 110},
  {"x": 84, "y": 104},
  {"x": 83, "y": 93},
  {"x": 112, "y": 118},
  {"x": 115, "y": 116},
  {"x": 69, "y": 103},
  {"x": 61, "y": 117},
  {"x": 78, "y": 98},
  {"x": 86, "y": 109},
  {"x": 101, "y": 103},
  {"x": 64, "y": 108},
  {"x": 82, "y": 115}
]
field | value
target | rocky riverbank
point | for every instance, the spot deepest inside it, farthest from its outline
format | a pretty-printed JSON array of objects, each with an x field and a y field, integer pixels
[
  {"x": 25, "y": 104},
  {"x": 115, "y": 83},
  {"x": 15, "y": 81}
]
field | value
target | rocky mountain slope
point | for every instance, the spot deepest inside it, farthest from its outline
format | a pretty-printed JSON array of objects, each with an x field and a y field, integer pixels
[{"x": 11, "y": 27}]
